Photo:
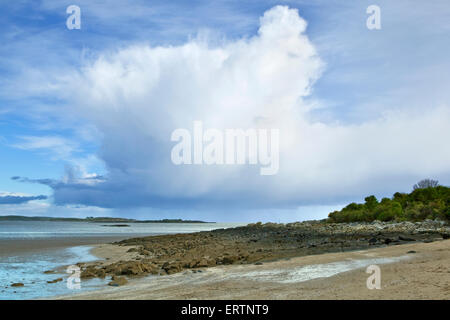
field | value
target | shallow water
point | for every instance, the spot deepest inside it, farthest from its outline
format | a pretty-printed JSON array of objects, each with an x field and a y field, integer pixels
[
  {"x": 315, "y": 271},
  {"x": 29, "y": 270},
  {"x": 28, "y": 267},
  {"x": 56, "y": 229}
]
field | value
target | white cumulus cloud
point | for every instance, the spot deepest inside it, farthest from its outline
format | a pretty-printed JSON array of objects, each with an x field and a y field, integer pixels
[{"x": 138, "y": 95}]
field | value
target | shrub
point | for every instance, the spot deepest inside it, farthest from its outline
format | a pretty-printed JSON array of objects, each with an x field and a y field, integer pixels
[{"x": 420, "y": 204}]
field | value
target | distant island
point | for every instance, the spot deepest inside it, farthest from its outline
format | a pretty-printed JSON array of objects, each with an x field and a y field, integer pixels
[{"x": 96, "y": 219}]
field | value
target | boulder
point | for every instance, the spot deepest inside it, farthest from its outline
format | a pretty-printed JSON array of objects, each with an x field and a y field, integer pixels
[
  {"x": 92, "y": 272},
  {"x": 205, "y": 262},
  {"x": 118, "y": 281},
  {"x": 172, "y": 267},
  {"x": 191, "y": 264},
  {"x": 17, "y": 284},
  {"x": 55, "y": 281},
  {"x": 131, "y": 268},
  {"x": 100, "y": 273},
  {"x": 88, "y": 273},
  {"x": 405, "y": 238},
  {"x": 144, "y": 252},
  {"x": 229, "y": 259}
]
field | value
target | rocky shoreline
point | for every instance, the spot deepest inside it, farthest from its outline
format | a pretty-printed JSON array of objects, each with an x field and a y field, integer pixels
[{"x": 254, "y": 244}]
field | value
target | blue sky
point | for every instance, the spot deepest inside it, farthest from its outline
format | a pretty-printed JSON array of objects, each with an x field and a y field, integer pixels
[{"x": 86, "y": 115}]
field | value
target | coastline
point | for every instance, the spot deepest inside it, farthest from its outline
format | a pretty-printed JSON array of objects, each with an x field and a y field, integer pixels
[
  {"x": 299, "y": 260},
  {"x": 34, "y": 255},
  {"x": 12, "y": 247},
  {"x": 270, "y": 261},
  {"x": 424, "y": 274},
  {"x": 32, "y": 269}
]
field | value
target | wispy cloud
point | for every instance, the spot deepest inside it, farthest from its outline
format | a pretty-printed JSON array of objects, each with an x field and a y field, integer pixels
[
  {"x": 14, "y": 198},
  {"x": 55, "y": 147}
]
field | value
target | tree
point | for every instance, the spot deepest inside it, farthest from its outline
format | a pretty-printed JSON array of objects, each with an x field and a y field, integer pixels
[
  {"x": 371, "y": 202},
  {"x": 422, "y": 203},
  {"x": 426, "y": 183}
]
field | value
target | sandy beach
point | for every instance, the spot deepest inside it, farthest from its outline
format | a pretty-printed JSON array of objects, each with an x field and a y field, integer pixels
[
  {"x": 424, "y": 274},
  {"x": 34, "y": 255},
  {"x": 298, "y": 261}
]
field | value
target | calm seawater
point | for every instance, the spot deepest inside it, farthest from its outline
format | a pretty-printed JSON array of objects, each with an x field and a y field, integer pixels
[
  {"x": 52, "y": 229},
  {"x": 28, "y": 267}
]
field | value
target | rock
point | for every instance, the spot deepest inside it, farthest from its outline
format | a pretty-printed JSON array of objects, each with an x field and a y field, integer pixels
[
  {"x": 172, "y": 267},
  {"x": 203, "y": 263},
  {"x": 229, "y": 259},
  {"x": 445, "y": 236},
  {"x": 55, "y": 281},
  {"x": 113, "y": 269},
  {"x": 191, "y": 264},
  {"x": 118, "y": 281},
  {"x": 377, "y": 225},
  {"x": 405, "y": 238},
  {"x": 131, "y": 268},
  {"x": 144, "y": 252},
  {"x": 88, "y": 273},
  {"x": 92, "y": 272},
  {"x": 168, "y": 254},
  {"x": 17, "y": 284},
  {"x": 411, "y": 251},
  {"x": 258, "y": 263},
  {"x": 101, "y": 273}
]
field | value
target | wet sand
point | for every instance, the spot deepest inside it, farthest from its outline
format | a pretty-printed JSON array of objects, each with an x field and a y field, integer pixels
[
  {"x": 15, "y": 247},
  {"x": 422, "y": 274}
]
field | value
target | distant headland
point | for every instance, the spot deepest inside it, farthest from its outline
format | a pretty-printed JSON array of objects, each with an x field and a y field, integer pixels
[{"x": 96, "y": 219}]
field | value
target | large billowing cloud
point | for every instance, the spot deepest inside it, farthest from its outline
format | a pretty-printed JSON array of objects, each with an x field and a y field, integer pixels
[{"x": 137, "y": 96}]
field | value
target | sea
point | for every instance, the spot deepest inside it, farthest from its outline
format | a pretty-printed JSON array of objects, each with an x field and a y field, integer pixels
[{"x": 28, "y": 248}]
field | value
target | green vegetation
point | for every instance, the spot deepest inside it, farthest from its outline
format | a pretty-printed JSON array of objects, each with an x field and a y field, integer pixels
[{"x": 428, "y": 202}]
